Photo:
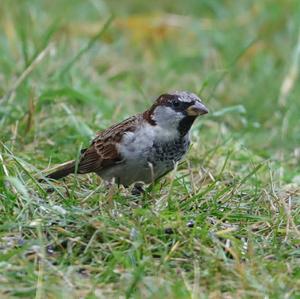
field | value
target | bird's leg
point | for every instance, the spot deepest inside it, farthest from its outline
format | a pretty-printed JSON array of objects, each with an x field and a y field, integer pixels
[
  {"x": 111, "y": 188},
  {"x": 109, "y": 184},
  {"x": 138, "y": 189}
]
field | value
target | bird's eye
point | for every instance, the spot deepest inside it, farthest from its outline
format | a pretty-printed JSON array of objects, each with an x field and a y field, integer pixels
[{"x": 176, "y": 104}]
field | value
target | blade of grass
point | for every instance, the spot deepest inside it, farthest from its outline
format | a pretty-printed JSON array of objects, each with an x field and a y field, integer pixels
[
  {"x": 26, "y": 73},
  {"x": 230, "y": 65},
  {"x": 28, "y": 173},
  {"x": 86, "y": 48}
]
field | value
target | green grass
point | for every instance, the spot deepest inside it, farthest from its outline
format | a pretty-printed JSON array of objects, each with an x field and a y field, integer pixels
[{"x": 225, "y": 224}]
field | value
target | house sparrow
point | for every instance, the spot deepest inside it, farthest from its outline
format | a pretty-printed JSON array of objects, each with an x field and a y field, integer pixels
[{"x": 143, "y": 147}]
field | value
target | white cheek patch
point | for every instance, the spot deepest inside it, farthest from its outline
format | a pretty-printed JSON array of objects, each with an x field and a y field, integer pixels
[
  {"x": 166, "y": 117},
  {"x": 167, "y": 121}
]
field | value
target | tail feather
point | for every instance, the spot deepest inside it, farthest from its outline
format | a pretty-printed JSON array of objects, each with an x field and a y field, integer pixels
[{"x": 62, "y": 171}]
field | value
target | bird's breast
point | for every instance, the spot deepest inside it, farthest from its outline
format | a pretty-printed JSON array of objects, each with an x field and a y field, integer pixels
[
  {"x": 147, "y": 156},
  {"x": 163, "y": 156}
]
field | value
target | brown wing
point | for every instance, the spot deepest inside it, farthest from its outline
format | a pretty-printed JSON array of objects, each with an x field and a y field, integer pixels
[{"x": 103, "y": 151}]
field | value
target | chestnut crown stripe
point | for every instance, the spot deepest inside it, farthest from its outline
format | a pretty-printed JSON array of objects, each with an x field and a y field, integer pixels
[{"x": 168, "y": 101}]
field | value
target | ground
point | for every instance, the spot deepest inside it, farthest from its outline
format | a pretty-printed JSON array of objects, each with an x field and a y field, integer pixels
[{"x": 225, "y": 224}]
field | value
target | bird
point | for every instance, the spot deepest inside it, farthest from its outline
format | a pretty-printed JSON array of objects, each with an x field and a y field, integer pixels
[{"x": 142, "y": 148}]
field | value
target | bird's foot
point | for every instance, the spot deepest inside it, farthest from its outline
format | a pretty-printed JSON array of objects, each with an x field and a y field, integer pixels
[{"x": 138, "y": 189}]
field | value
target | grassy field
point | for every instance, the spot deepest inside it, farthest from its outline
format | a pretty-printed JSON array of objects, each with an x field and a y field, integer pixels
[{"x": 225, "y": 224}]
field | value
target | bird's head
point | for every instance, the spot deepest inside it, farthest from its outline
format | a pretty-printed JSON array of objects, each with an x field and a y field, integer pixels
[{"x": 176, "y": 110}]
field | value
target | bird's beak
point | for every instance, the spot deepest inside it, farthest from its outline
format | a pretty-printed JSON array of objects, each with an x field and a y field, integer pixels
[{"x": 196, "y": 109}]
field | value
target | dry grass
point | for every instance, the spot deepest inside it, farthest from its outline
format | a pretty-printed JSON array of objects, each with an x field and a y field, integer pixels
[{"x": 225, "y": 224}]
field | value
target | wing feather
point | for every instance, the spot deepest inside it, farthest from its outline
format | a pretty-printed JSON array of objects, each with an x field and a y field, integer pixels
[{"x": 103, "y": 151}]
